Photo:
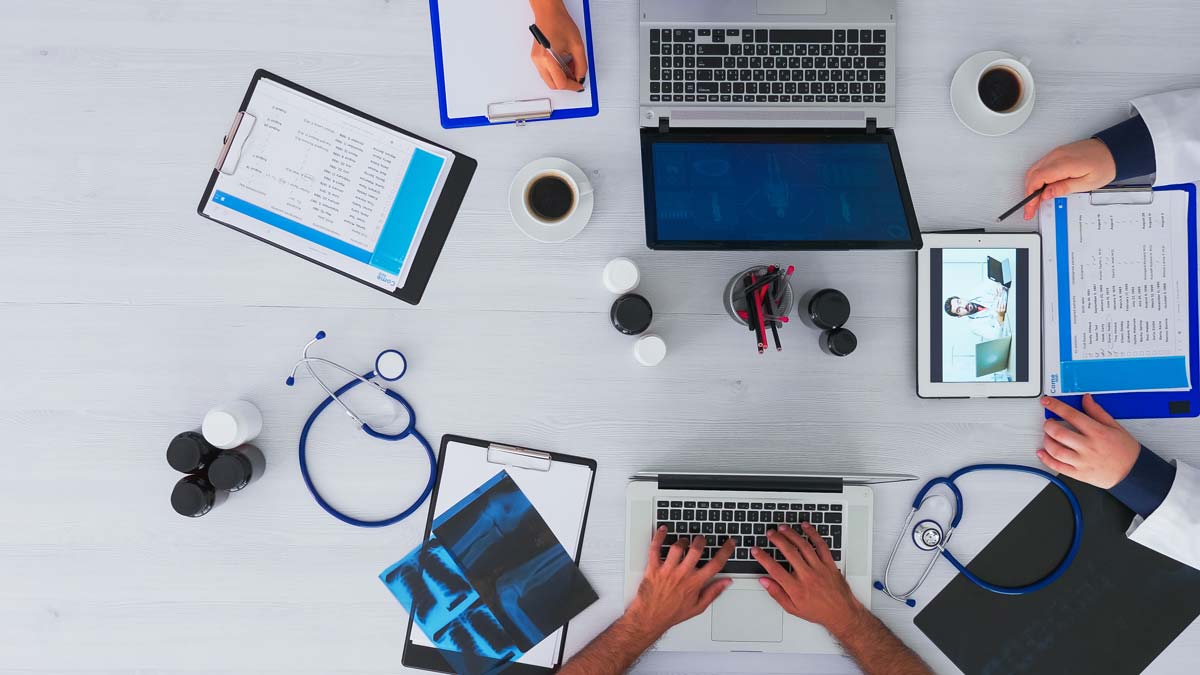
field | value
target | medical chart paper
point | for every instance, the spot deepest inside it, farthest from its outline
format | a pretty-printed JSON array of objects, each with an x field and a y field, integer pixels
[
  {"x": 485, "y": 57},
  {"x": 560, "y": 495},
  {"x": 1116, "y": 295},
  {"x": 331, "y": 186}
]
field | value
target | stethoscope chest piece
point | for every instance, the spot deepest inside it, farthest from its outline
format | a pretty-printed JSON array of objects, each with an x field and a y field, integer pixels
[{"x": 927, "y": 535}]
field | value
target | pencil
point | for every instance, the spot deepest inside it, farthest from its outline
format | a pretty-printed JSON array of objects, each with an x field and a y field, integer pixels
[{"x": 1032, "y": 196}]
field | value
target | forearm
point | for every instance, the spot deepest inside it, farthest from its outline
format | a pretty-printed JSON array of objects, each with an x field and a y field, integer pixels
[
  {"x": 612, "y": 652},
  {"x": 876, "y": 649}
]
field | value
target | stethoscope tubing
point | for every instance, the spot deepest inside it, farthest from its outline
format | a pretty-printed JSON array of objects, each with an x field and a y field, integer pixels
[
  {"x": 949, "y": 482},
  {"x": 410, "y": 430}
]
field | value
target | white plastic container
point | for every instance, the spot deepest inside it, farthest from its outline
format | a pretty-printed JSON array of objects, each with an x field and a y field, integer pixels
[
  {"x": 621, "y": 276},
  {"x": 231, "y": 424},
  {"x": 650, "y": 350}
]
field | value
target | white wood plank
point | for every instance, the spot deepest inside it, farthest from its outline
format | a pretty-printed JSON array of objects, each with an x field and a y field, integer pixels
[{"x": 124, "y": 316}]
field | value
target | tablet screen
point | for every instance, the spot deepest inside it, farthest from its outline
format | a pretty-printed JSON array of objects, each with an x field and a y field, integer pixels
[{"x": 979, "y": 311}]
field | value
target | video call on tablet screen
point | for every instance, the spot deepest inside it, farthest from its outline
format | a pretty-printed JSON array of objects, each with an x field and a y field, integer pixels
[{"x": 979, "y": 309}]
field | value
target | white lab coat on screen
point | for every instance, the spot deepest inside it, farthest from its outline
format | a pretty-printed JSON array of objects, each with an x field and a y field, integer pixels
[{"x": 1173, "y": 119}]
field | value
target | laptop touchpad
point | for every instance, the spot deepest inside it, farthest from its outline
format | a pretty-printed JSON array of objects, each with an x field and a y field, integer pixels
[
  {"x": 792, "y": 6},
  {"x": 746, "y": 616}
]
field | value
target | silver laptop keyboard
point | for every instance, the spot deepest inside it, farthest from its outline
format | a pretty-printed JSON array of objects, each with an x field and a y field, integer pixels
[
  {"x": 785, "y": 66},
  {"x": 747, "y": 523}
]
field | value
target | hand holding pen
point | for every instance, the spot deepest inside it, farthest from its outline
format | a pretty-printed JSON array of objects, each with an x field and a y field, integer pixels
[{"x": 558, "y": 50}]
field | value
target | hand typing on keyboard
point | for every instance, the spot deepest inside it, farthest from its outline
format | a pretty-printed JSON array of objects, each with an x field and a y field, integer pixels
[
  {"x": 559, "y": 28},
  {"x": 675, "y": 588},
  {"x": 678, "y": 585},
  {"x": 814, "y": 588}
]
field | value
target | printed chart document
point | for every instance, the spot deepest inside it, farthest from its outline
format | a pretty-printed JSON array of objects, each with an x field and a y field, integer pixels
[
  {"x": 1116, "y": 295},
  {"x": 334, "y": 187},
  {"x": 485, "y": 57}
]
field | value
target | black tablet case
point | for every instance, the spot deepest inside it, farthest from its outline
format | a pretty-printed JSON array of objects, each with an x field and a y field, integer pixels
[
  {"x": 1113, "y": 611},
  {"x": 436, "y": 231}
]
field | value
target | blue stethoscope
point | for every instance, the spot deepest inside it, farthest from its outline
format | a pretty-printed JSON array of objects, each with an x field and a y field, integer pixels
[
  {"x": 928, "y": 535},
  {"x": 390, "y": 365}
]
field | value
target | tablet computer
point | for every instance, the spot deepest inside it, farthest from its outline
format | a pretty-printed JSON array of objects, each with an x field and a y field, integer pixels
[
  {"x": 979, "y": 315},
  {"x": 337, "y": 187}
]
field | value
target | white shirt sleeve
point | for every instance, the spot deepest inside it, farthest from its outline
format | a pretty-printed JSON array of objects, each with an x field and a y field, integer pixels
[
  {"x": 1173, "y": 119},
  {"x": 1174, "y": 528}
]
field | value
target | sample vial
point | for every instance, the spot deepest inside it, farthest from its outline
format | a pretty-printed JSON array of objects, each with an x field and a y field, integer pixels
[
  {"x": 650, "y": 350},
  {"x": 232, "y": 424},
  {"x": 190, "y": 453},
  {"x": 235, "y": 469},
  {"x": 621, "y": 275},
  {"x": 194, "y": 496},
  {"x": 631, "y": 314}
]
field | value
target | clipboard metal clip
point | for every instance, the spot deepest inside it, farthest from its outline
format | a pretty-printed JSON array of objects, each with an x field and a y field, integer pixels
[
  {"x": 520, "y": 111},
  {"x": 519, "y": 457},
  {"x": 1130, "y": 194},
  {"x": 231, "y": 145}
]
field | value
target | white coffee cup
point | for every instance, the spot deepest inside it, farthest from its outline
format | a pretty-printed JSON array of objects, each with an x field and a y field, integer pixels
[
  {"x": 1025, "y": 81},
  {"x": 578, "y": 184}
]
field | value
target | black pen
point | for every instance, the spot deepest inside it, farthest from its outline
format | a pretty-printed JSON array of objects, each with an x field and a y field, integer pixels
[
  {"x": 562, "y": 63},
  {"x": 1032, "y": 196}
]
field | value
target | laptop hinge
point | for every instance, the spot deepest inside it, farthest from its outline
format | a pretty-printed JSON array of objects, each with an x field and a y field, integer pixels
[
  {"x": 664, "y": 125},
  {"x": 750, "y": 483},
  {"x": 871, "y": 125}
]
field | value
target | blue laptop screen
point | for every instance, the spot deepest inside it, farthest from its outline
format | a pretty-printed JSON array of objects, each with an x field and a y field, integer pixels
[{"x": 782, "y": 192}]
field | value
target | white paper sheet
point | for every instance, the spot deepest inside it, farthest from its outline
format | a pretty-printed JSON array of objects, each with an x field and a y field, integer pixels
[
  {"x": 335, "y": 179},
  {"x": 560, "y": 496},
  {"x": 485, "y": 56},
  {"x": 1124, "y": 316}
]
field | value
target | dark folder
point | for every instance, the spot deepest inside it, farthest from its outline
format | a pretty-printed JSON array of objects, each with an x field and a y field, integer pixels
[{"x": 1117, "y": 607}]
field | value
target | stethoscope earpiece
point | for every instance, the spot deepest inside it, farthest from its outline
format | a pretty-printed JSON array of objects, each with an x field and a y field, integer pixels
[{"x": 390, "y": 365}]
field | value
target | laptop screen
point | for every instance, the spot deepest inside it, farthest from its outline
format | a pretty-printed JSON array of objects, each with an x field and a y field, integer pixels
[{"x": 769, "y": 190}]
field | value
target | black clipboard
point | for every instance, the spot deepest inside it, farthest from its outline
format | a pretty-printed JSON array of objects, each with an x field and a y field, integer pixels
[
  {"x": 430, "y": 658},
  {"x": 442, "y": 218}
]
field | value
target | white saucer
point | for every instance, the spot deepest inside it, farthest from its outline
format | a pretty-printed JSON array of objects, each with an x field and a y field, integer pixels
[
  {"x": 550, "y": 232},
  {"x": 964, "y": 97}
]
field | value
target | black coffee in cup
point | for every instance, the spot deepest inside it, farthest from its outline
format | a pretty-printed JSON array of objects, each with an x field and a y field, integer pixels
[
  {"x": 550, "y": 197},
  {"x": 1000, "y": 89}
]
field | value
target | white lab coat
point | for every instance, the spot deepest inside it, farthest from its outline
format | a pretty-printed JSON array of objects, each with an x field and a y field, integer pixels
[
  {"x": 1173, "y": 119},
  {"x": 1174, "y": 528}
]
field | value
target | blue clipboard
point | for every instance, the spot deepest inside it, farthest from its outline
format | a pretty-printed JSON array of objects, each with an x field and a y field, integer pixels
[
  {"x": 1151, "y": 404},
  {"x": 482, "y": 120}
]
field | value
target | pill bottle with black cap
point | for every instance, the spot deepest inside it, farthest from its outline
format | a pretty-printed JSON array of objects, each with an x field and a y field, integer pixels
[
  {"x": 190, "y": 453},
  {"x": 193, "y": 496},
  {"x": 234, "y": 469}
]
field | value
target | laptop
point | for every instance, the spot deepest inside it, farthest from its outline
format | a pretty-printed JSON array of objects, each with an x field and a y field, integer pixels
[
  {"x": 767, "y": 124},
  {"x": 992, "y": 356},
  {"x": 745, "y": 506},
  {"x": 999, "y": 272}
]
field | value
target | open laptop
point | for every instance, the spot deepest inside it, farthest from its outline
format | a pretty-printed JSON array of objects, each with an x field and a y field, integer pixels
[
  {"x": 766, "y": 124},
  {"x": 744, "y": 506}
]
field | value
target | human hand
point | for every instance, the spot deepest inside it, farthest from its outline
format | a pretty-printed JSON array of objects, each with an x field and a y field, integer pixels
[
  {"x": 1099, "y": 451},
  {"x": 673, "y": 589},
  {"x": 559, "y": 28},
  {"x": 815, "y": 589},
  {"x": 1075, "y": 167}
]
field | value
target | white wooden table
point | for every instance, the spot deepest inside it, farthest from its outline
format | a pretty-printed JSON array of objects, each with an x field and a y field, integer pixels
[{"x": 123, "y": 316}]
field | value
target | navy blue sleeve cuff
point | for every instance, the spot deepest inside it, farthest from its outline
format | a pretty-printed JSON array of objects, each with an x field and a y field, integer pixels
[
  {"x": 1147, "y": 484},
  {"x": 1131, "y": 146}
]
